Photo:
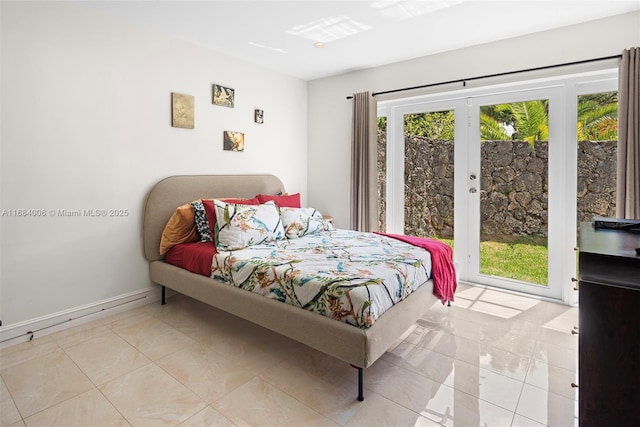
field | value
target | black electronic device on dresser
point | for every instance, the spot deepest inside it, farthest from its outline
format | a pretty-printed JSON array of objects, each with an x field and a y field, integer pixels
[{"x": 609, "y": 329}]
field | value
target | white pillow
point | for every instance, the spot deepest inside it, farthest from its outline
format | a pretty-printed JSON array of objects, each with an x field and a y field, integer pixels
[
  {"x": 299, "y": 222},
  {"x": 239, "y": 226}
]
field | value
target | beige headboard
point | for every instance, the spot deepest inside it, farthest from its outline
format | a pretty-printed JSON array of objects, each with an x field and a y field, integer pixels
[{"x": 171, "y": 192}]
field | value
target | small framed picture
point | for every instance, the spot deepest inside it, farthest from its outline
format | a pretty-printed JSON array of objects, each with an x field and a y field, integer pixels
[
  {"x": 258, "y": 116},
  {"x": 233, "y": 141},
  {"x": 224, "y": 96},
  {"x": 182, "y": 115}
]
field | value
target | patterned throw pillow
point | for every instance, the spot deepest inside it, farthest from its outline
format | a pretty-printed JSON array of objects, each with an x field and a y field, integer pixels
[
  {"x": 202, "y": 224},
  {"x": 205, "y": 216},
  {"x": 239, "y": 226},
  {"x": 210, "y": 210},
  {"x": 299, "y": 222}
]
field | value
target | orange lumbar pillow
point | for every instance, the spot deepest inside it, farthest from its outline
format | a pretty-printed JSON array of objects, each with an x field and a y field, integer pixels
[{"x": 180, "y": 228}]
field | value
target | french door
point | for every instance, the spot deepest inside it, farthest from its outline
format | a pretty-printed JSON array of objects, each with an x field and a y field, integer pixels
[
  {"x": 516, "y": 192},
  {"x": 490, "y": 220},
  {"x": 511, "y": 201}
]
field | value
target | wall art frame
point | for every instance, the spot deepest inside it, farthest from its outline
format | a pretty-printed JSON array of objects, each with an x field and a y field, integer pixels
[
  {"x": 258, "y": 116},
  {"x": 182, "y": 111},
  {"x": 233, "y": 141},
  {"x": 223, "y": 96}
]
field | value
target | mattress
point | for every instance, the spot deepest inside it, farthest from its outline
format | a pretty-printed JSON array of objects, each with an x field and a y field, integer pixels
[{"x": 349, "y": 276}]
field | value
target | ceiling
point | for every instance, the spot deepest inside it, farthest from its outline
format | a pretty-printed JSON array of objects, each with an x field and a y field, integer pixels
[{"x": 357, "y": 34}]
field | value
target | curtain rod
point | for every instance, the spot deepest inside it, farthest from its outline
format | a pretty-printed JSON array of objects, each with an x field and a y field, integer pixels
[{"x": 464, "y": 81}]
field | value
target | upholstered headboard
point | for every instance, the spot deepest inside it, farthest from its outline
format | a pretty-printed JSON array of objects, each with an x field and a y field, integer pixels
[{"x": 171, "y": 192}]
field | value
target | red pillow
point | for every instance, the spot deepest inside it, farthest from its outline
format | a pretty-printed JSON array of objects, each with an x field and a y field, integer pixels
[
  {"x": 210, "y": 210},
  {"x": 194, "y": 256},
  {"x": 287, "y": 201}
]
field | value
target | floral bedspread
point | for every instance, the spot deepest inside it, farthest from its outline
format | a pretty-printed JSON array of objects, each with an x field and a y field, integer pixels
[{"x": 350, "y": 276}]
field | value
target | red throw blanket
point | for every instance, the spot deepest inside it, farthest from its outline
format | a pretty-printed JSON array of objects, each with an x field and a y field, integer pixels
[{"x": 442, "y": 269}]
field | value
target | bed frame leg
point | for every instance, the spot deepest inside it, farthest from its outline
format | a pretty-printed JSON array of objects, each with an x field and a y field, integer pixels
[
  {"x": 360, "y": 387},
  {"x": 164, "y": 291}
]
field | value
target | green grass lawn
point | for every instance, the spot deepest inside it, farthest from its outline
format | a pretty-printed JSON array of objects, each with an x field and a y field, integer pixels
[
  {"x": 519, "y": 261},
  {"x": 525, "y": 261}
]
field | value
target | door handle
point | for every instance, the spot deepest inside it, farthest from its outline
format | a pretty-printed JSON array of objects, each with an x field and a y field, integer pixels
[{"x": 473, "y": 190}]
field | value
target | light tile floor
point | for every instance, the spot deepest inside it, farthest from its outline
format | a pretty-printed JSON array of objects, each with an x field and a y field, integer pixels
[{"x": 492, "y": 359}]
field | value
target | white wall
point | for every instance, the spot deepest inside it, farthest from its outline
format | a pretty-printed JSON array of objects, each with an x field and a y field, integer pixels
[
  {"x": 330, "y": 112},
  {"x": 86, "y": 125}
]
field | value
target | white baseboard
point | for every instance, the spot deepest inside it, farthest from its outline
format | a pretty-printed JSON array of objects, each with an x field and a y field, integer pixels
[{"x": 45, "y": 325}]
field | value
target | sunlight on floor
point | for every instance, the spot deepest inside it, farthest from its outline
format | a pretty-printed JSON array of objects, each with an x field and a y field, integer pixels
[{"x": 495, "y": 303}]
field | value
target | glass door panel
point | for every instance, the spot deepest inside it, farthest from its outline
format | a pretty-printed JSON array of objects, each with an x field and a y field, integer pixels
[
  {"x": 597, "y": 130},
  {"x": 514, "y": 195},
  {"x": 429, "y": 174}
]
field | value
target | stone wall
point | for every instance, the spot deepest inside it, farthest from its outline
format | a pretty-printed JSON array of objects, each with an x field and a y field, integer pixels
[
  {"x": 515, "y": 189},
  {"x": 597, "y": 179},
  {"x": 514, "y": 183},
  {"x": 428, "y": 195}
]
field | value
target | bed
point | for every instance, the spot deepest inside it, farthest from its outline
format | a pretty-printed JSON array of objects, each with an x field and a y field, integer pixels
[{"x": 358, "y": 346}]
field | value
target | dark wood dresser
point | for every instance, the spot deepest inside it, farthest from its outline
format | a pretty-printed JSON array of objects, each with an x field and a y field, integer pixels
[{"x": 609, "y": 313}]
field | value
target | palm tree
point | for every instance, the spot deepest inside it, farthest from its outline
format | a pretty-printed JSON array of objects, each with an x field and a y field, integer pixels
[
  {"x": 597, "y": 121},
  {"x": 531, "y": 120},
  {"x": 491, "y": 129}
]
